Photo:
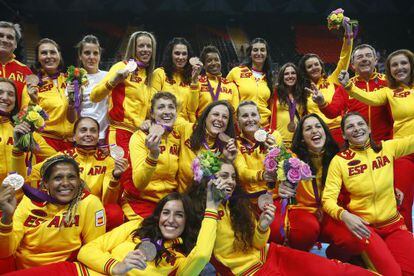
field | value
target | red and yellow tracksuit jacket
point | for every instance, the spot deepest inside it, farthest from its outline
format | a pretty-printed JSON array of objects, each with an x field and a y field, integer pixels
[
  {"x": 400, "y": 101},
  {"x": 379, "y": 118},
  {"x": 153, "y": 179},
  {"x": 39, "y": 235},
  {"x": 53, "y": 100},
  {"x": 180, "y": 89},
  {"x": 108, "y": 250},
  {"x": 239, "y": 262},
  {"x": 369, "y": 178},
  {"x": 17, "y": 72},
  {"x": 95, "y": 166},
  {"x": 327, "y": 85},
  {"x": 129, "y": 101},
  {"x": 6, "y": 147},
  {"x": 252, "y": 89},
  {"x": 249, "y": 163},
  {"x": 228, "y": 91}
]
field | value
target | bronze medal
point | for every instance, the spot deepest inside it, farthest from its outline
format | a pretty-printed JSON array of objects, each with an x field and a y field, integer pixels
[{"x": 291, "y": 126}]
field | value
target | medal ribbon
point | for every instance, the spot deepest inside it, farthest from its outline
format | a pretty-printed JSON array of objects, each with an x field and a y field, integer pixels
[{"x": 215, "y": 95}]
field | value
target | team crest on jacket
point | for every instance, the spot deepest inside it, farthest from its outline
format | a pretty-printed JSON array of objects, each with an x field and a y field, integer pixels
[
  {"x": 354, "y": 162},
  {"x": 347, "y": 154}
]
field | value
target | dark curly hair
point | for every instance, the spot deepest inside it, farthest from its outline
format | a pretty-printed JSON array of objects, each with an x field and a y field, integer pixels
[
  {"x": 374, "y": 146},
  {"x": 267, "y": 66},
  {"x": 301, "y": 150},
  {"x": 299, "y": 93},
  {"x": 305, "y": 80},
  {"x": 149, "y": 227},
  {"x": 241, "y": 210},
  {"x": 199, "y": 133},
  {"x": 167, "y": 62}
]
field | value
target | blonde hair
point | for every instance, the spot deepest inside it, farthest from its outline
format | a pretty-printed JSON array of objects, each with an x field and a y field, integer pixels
[{"x": 131, "y": 51}]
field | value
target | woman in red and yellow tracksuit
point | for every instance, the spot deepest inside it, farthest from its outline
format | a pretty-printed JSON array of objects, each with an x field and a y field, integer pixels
[
  {"x": 365, "y": 170},
  {"x": 129, "y": 93},
  {"x": 50, "y": 227},
  {"x": 51, "y": 96},
  {"x": 211, "y": 85},
  {"x": 175, "y": 76},
  {"x": 241, "y": 245},
  {"x": 400, "y": 97},
  {"x": 179, "y": 250},
  {"x": 254, "y": 78},
  {"x": 288, "y": 103},
  {"x": 99, "y": 171},
  {"x": 312, "y": 69}
]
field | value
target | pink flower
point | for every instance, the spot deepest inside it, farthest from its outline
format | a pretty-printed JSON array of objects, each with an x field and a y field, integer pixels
[
  {"x": 305, "y": 171},
  {"x": 338, "y": 11},
  {"x": 196, "y": 168},
  {"x": 293, "y": 175},
  {"x": 273, "y": 153},
  {"x": 295, "y": 162},
  {"x": 270, "y": 164}
]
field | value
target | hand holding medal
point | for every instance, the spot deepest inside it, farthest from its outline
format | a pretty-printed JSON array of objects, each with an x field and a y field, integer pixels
[
  {"x": 197, "y": 66},
  {"x": 148, "y": 249},
  {"x": 15, "y": 180},
  {"x": 116, "y": 151}
]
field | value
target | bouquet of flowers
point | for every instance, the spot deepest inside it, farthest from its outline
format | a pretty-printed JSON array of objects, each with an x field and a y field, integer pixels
[
  {"x": 336, "y": 19},
  {"x": 77, "y": 77},
  {"x": 288, "y": 168},
  {"x": 35, "y": 116}
]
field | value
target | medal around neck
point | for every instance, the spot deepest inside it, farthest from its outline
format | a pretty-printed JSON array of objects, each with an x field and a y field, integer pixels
[
  {"x": 131, "y": 66},
  {"x": 116, "y": 152},
  {"x": 264, "y": 199},
  {"x": 32, "y": 80},
  {"x": 260, "y": 135},
  {"x": 291, "y": 126},
  {"x": 15, "y": 180},
  {"x": 224, "y": 137},
  {"x": 148, "y": 249}
]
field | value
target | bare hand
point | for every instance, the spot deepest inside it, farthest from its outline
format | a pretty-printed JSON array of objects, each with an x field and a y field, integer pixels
[
  {"x": 286, "y": 189},
  {"x": 197, "y": 67},
  {"x": 134, "y": 259},
  {"x": 33, "y": 93},
  {"x": 210, "y": 202},
  {"x": 269, "y": 177},
  {"x": 145, "y": 126},
  {"x": 152, "y": 142},
  {"x": 121, "y": 165},
  {"x": 120, "y": 76},
  {"x": 270, "y": 141},
  {"x": 356, "y": 225},
  {"x": 20, "y": 130},
  {"x": 267, "y": 216},
  {"x": 317, "y": 95},
  {"x": 343, "y": 78},
  {"x": 8, "y": 203},
  {"x": 230, "y": 150}
]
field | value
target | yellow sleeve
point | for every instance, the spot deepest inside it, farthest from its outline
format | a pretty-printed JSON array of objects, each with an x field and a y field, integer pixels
[
  {"x": 193, "y": 102},
  {"x": 93, "y": 227},
  {"x": 18, "y": 162},
  {"x": 110, "y": 186},
  {"x": 102, "y": 89},
  {"x": 96, "y": 254},
  {"x": 401, "y": 146},
  {"x": 195, "y": 262},
  {"x": 260, "y": 238},
  {"x": 332, "y": 189},
  {"x": 12, "y": 234},
  {"x": 344, "y": 59},
  {"x": 247, "y": 175},
  {"x": 379, "y": 97},
  {"x": 25, "y": 97},
  {"x": 143, "y": 166},
  {"x": 236, "y": 97},
  {"x": 158, "y": 78},
  {"x": 231, "y": 76}
]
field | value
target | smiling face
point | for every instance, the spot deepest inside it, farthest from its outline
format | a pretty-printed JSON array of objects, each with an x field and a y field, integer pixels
[
  {"x": 49, "y": 58},
  {"x": 144, "y": 49},
  {"x": 364, "y": 61},
  {"x": 90, "y": 57},
  {"x": 7, "y": 97},
  {"x": 258, "y": 54},
  {"x": 217, "y": 120},
  {"x": 227, "y": 175},
  {"x": 356, "y": 130},
  {"x": 63, "y": 183},
  {"x": 213, "y": 64},
  {"x": 248, "y": 119},
  {"x": 87, "y": 133},
  {"x": 400, "y": 68},
  {"x": 8, "y": 41},
  {"x": 164, "y": 112},
  {"x": 172, "y": 219},
  {"x": 289, "y": 76},
  {"x": 313, "y": 69},
  {"x": 313, "y": 134},
  {"x": 179, "y": 55}
]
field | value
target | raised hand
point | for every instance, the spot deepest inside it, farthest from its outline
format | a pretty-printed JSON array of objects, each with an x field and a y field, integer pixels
[
  {"x": 267, "y": 216},
  {"x": 152, "y": 142},
  {"x": 230, "y": 150},
  {"x": 343, "y": 78},
  {"x": 197, "y": 67},
  {"x": 8, "y": 203},
  {"x": 317, "y": 95},
  {"x": 121, "y": 165}
]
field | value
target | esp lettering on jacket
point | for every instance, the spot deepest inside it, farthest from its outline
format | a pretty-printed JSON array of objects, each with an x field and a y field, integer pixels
[
  {"x": 57, "y": 222},
  {"x": 377, "y": 163},
  {"x": 48, "y": 86},
  {"x": 15, "y": 76},
  {"x": 173, "y": 149},
  {"x": 95, "y": 170},
  {"x": 400, "y": 93}
]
